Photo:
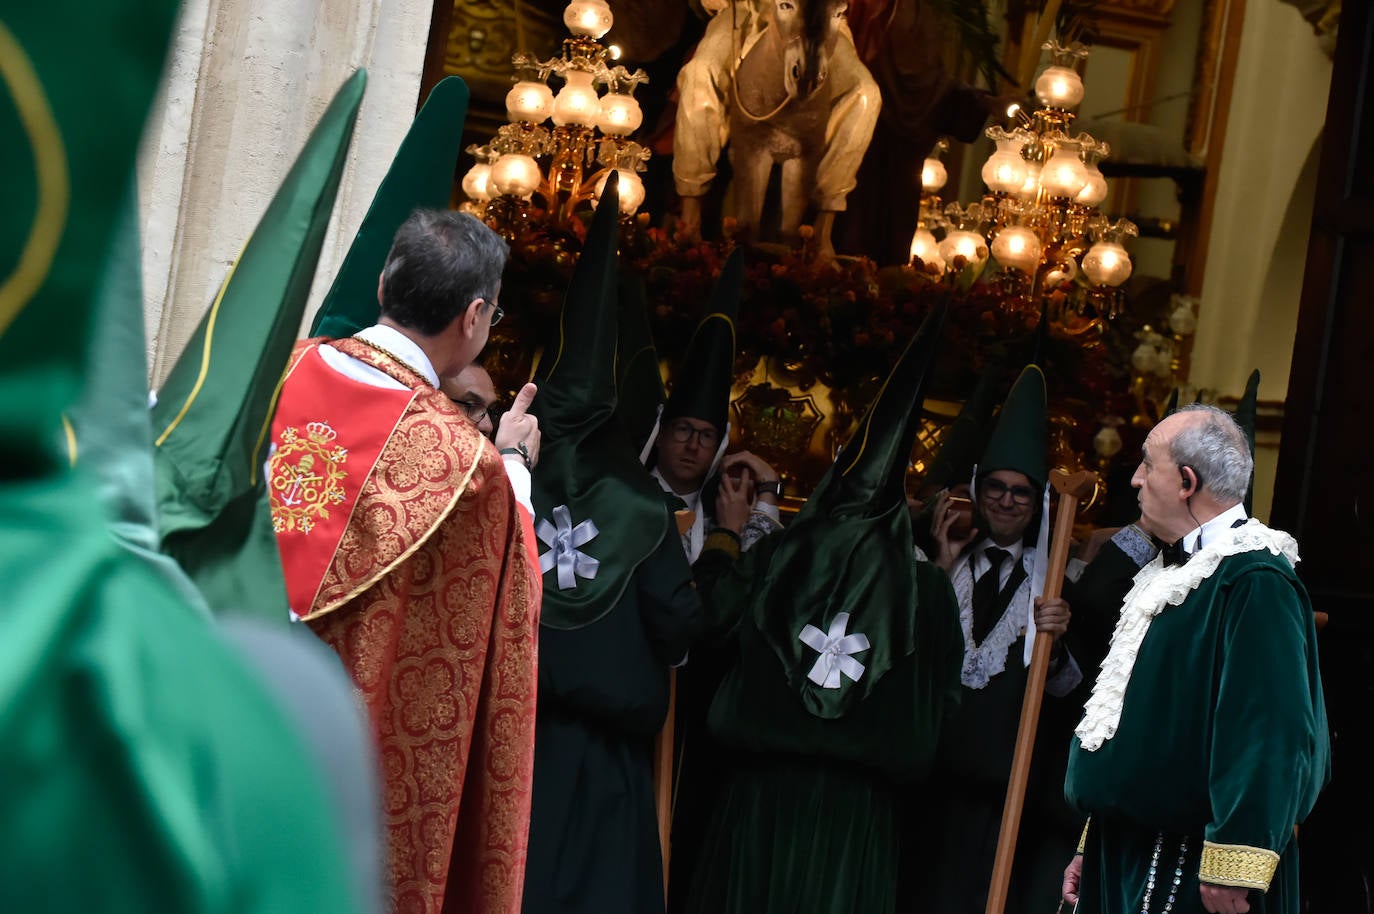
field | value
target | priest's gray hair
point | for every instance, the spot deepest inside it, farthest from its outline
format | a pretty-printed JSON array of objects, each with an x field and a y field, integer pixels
[{"x": 1217, "y": 449}]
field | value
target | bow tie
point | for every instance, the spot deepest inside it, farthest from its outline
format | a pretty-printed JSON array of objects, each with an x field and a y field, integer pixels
[{"x": 1175, "y": 554}]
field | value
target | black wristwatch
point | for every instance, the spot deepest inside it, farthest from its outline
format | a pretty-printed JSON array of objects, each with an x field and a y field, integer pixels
[
  {"x": 772, "y": 486},
  {"x": 519, "y": 451}
]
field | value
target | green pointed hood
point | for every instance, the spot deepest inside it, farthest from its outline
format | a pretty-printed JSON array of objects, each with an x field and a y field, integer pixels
[
  {"x": 421, "y": 175},
  {"x": 109, "y": 432},
  {"x": 212, "y": 416},
  {"x": 967, "y": 436},
  {"x": 588, "y": 473},
  {"x": 1245, "y": 418},
  {"x": 1019, "y": 439},
  {"x": 857, "y": 523},
  {"x": 702, "y": 383},
  {"x": 639, "y": 383}
]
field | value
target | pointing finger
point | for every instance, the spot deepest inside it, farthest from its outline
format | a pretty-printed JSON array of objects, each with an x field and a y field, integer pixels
[{"x": 523, "y": 400}]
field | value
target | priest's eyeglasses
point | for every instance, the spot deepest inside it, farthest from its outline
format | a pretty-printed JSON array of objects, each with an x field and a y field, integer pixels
[
  {"x": 683, "y": 432},
  {"x": 995, "y": 489},
  {"x": 475, "y": 411},
  {"x": 497, "y": 312}
]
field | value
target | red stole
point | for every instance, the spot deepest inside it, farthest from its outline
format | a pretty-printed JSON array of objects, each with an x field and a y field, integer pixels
[{"x": 329, "y": 431}]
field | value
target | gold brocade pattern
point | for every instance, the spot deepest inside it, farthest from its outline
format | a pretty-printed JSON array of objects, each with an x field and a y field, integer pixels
[
  {"x": 437, "y": 594},
  {"x": 1083, "y": 838},
  {"x": 1237, "y": 865}
]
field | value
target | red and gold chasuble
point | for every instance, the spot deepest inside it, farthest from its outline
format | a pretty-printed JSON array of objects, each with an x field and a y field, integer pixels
[{"x": 429, "y": 592}]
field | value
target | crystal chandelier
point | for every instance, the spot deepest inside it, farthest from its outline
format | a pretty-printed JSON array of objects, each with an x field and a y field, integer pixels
[
  {"x": 1039, "y": 219},
  {"x": 567, "y": 164}
]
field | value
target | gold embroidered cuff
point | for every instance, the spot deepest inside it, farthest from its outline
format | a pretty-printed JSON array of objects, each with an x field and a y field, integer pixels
[
  {"x": 1083, "y": 838},
  {"x": 723, "y": 540},
  {"x": 1237, "y": 865}
]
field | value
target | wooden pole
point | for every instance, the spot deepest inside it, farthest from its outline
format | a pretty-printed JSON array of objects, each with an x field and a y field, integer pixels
[
  {"x": 1071, "y": 489},
  {"x": 663, "y": 778}
]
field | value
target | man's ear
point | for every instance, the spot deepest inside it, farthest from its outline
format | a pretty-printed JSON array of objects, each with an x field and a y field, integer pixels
[
  {"x": 470, "y": 316},
  {"x": 381, "y": 284}
]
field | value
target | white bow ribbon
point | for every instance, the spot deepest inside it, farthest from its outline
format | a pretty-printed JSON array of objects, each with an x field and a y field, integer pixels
[
  {"x": 563, "y": 541},
  {"x": 835, "y": 648}
]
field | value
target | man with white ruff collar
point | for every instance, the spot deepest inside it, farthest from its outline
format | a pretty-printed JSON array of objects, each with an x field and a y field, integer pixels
[{"x": 1205, "y": 739}]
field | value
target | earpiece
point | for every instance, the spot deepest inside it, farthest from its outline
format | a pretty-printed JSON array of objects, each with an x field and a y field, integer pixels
[{"x": 1191, "y": 480}]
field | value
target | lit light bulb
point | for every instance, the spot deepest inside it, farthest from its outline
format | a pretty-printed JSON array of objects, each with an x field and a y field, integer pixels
[
  {"x": 1064, "y": 175},
  {"x": 515, "y": 174},
  {"x": 1031, "y": 188},
  {"x": 1005, "y": 170},
  {"x": 1059, "y": 87},
  {"x": 588, "y": 18},
  {"x": 933, "y": 175},
  {"x": 620, "y": 114},
  {"x": 477, "y": 183},
  {"x": 926, "y": 249},
  {"x": 630, "y": 189},
  {"x": 1095, "y": 191},
  {"x": 968, "y": 245},
  {"x": 1017, "y": 247},
  {"x": 1107, "y": 264},
  {"x": 529, "y": 101},
  {"x": 577, "y": 102}
]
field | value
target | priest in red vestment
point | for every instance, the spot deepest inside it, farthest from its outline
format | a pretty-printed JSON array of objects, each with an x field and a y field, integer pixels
[{"x": 408, "y": 547}]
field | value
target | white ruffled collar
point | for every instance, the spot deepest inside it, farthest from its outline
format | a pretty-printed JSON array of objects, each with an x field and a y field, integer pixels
[
  {"x": 1155, "y": 589},
  {"x": 988, "y": 658}
]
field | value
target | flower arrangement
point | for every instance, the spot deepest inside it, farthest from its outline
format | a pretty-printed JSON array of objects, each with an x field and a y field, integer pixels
[{"x": 843, "y": 322}]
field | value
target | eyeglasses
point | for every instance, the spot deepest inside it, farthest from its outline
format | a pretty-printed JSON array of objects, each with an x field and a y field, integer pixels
[
  {"x": 684, "y": 432},
  {"x": 475, "y": 411},
  {"x": 995, "y": 489},
  {"x": 497, "y": 312}
]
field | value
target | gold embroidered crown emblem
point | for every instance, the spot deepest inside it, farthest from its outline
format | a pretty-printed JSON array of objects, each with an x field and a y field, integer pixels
[
  {"x": 321, "y": 432},
  {"x": 306, "y": 477}
]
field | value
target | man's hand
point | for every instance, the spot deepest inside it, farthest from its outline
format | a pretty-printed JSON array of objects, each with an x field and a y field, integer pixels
[
  {"x": 758, "y": 469},
  {"x": 1073, "y": 877},
  {"x": 1224, "y": 899},
  {"x": 942, "y": 519},
  {"x": 519, "y": 427},
  {"x": 734, "y": 501},
  {"x": 1052, "y": 616}
]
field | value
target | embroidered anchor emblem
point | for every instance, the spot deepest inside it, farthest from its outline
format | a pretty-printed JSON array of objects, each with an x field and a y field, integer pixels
[{"x": 306, "y": 477}]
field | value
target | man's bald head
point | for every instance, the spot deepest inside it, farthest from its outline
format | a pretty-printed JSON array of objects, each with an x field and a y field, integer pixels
[{"x": 474, "y": 392}]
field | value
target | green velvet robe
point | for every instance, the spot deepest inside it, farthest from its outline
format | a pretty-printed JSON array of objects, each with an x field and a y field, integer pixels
[
  {"x": 603, "y": 696},
  {"x": 1222, "y": 738},
  {"x": 807, "y": 822}
]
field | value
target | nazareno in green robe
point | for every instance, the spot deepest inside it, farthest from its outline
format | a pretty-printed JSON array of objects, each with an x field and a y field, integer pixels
[
  {"x": 603, "y": 696},
  {"x": 1222, "y": 739},
  {"x": 807, "y": 821}
]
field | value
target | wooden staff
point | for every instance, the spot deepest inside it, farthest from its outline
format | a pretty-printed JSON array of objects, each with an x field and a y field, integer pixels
[
  {"x": 663, "y": 746},
  {"x": 1071, "y": 489},
  {"x": 663, "y": 777}
]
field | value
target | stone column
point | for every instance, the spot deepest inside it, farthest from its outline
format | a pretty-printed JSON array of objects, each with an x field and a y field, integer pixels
[{"x": 246, "y": 82}]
